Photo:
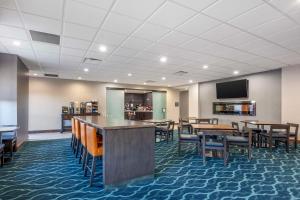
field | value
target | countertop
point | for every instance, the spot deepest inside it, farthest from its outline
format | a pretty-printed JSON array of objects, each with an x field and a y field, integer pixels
[
  {"x": 108, "y": 124},
  {"x": 138, "y": 111}
]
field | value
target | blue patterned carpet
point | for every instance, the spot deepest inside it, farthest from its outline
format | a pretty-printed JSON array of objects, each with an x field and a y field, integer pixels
[{"x": 47, "y": 170}]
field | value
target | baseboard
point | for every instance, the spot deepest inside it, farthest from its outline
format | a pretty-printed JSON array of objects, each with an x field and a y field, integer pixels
[{"x": 44, "y": 131}]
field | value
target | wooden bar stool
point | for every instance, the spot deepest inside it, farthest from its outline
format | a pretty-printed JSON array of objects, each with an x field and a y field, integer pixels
[
  {"x": 94, "y": 149},
  {"x": 1, "y": 153},
  {"x": 73, "y": 134},
  {"x": 77, "y": 137},
  {"x": 83, "y": 150}
]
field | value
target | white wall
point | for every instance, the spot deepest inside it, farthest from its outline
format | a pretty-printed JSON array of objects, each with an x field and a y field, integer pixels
[
  {"x": 47, "y": 96},
  {"x": 194, "y": 100},
  {"x": 291, "y": 94},
  {"x": 264, "y": 88}
]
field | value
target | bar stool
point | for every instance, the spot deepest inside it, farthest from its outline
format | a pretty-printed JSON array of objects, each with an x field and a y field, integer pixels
[
  {"x": 83, "y": 150},
  {"x": 1, "y": 153},
  {"x": 77, "y": 137},
  {"x": 73, "y": 134},
  {"x": 94, "y": 149}
]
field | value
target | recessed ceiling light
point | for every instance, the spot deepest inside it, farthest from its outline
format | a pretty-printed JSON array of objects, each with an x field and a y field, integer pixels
[
  {"x": 205, "y": 66},
  {"x": 163, "y": 59},
  {"x": 102, "y": 48},
  {"x": 129, "y": 74},
  {"x": 236, "y": 72},
  {"x": 145, "y": 83},
  {"x": 16, "y": 43},
  {"x": 86, "y": 69},
  {"x": 35, "y": 74},
  {"x": 190, "y": 81},
  {"x": 79, "y": 78},
  {"x": 163, "y": 78},
  {"x": 115, "y": 81}
]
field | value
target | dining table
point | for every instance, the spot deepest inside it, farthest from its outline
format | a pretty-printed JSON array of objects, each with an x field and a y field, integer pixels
[
  {"x": 259, "y": 123},
  {"x": 213, "y": 127}
]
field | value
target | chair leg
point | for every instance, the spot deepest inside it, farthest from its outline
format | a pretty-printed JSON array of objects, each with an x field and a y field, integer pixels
[
  {"x": 287, "y": 145},
  {"x": 77, "y": 148},
  {"x": 72, "y": 138},
  {"x": 87, "y": 159},
  {"x": 2, "y": 158},
  {"x": 84, "y": 158},
  {"x": 80, "y": 154},
  {"x": 179, "y": 148},
  {"x": 93, "y": 170},
  {"x": 203, "y": 151}
]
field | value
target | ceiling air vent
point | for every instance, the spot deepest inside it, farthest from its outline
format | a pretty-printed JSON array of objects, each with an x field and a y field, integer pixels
[
  {"x": 45, "y": 37},
  {"x": 51, "y": 75},
  {"x": 93, "y": 61},
  {"x": 180, "y": 73},
  {"x": 150, "y": 81}
]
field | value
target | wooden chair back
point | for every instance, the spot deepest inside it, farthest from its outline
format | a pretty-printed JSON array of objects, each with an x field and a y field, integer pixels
[
  {"x": 294, "y": 128},
  {"x": 171, "y": 125},
  {"x": 77, "y": 129},
  {"x": 280, "y": 128},
  {"x": 83, "y": 134},
  {"x": 93, "y": 147},
  {"x": 215, "y": 121}
]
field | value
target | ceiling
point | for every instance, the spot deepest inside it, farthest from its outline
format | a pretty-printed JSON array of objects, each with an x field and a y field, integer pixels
[{"x": 226, "y": 35}]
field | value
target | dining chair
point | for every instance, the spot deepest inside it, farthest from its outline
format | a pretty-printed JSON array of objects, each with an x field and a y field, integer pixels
[
  {"x": 184, "y": 124},
  {"x": 215, "y": 121},
  {"x": 214, "y": 141},
  {"x": 294, "y": 128},
  {"x": 241, "y": 141},
  {"x": 83, "y": 149},
  {"x": 203, "y": 121},
  {"x": 94, "y": 150},
  {"x": 189, "y": 137},
  {"x": 280, "y": 133},
  {"x": 77, "y": 137},
  {"x": 165, "y": 131},
  {"x": 9, "y": 139}
]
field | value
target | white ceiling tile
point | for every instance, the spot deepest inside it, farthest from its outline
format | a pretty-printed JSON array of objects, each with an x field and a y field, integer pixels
[
  {"x": 125, "y": 52},
  {"x": 72, "y": 52},
  {"x": 197, "y": 45},
  {"x": 11, "y": 32},
  {"x": 151, "y": 32},
  {"x": 198, "y": 25},
  {"x": 255, "y": 17},
  {"x": 287, "y": 6},
  {"x": 96, "y": 54},
  {"x": 120, "y": 24},
  {"x": 296, "y": 16},
  {"x": 220, "y": 32},
  {"x": 137, "y": 43},
  {"x": 196, "y": 4},
  {"x": 8, "y": 4},
  {"x": 44, "y": 47},
  {"x": 139, "y": 9},
  {"x": 8, "y": 43},
  {"x": 109, "y": 48},
  {"x": 78, "y": 31},
  {"x": 171, "y": 15},
  {"x": 48, "y": 57},
  {"x": 106, "y": 4},
  {"x": 75, "y": 43},
  {"x": 42, "y": 24},
  {"x": 89, "y": 15},
  {"x": 284, "y": 36},
  {"x": 10, "y": 17},
  {"x": 45, "y": 8},
  {"x": 110, "y": 38},
  {"x": 175, "y": 38},
  {"x": 238, "y": 40},
  {"x": 227, "y": 9},
  {"x": 274, "y": 26},
  {"x": 70, "y": 59}
]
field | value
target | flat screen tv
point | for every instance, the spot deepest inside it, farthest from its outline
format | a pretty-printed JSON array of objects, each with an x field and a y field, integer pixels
[{"x": 232, "y": 89}]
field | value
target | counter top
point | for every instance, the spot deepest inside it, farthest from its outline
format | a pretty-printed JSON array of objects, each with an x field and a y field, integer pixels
[
  {"x": 109, "y": 124},
  {"x": 138, "y": 111}
]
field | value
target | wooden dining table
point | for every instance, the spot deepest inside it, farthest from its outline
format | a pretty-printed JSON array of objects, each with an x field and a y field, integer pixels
[
  {"x": 157, "y": 121},
  {"x": 259, "y": 123},
  {"x": 213, "y": 127}
]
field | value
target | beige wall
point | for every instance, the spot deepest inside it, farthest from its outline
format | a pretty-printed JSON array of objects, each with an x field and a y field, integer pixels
[
  {"x": 194, "y": 100},
  {"x": 291, "y": 94},
  {"x": 47, "y": 96},
  {"x": 264, "y": 88}
]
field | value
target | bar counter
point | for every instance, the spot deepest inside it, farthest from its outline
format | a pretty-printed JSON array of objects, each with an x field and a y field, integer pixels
[{"x": 128, "y": 148}]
